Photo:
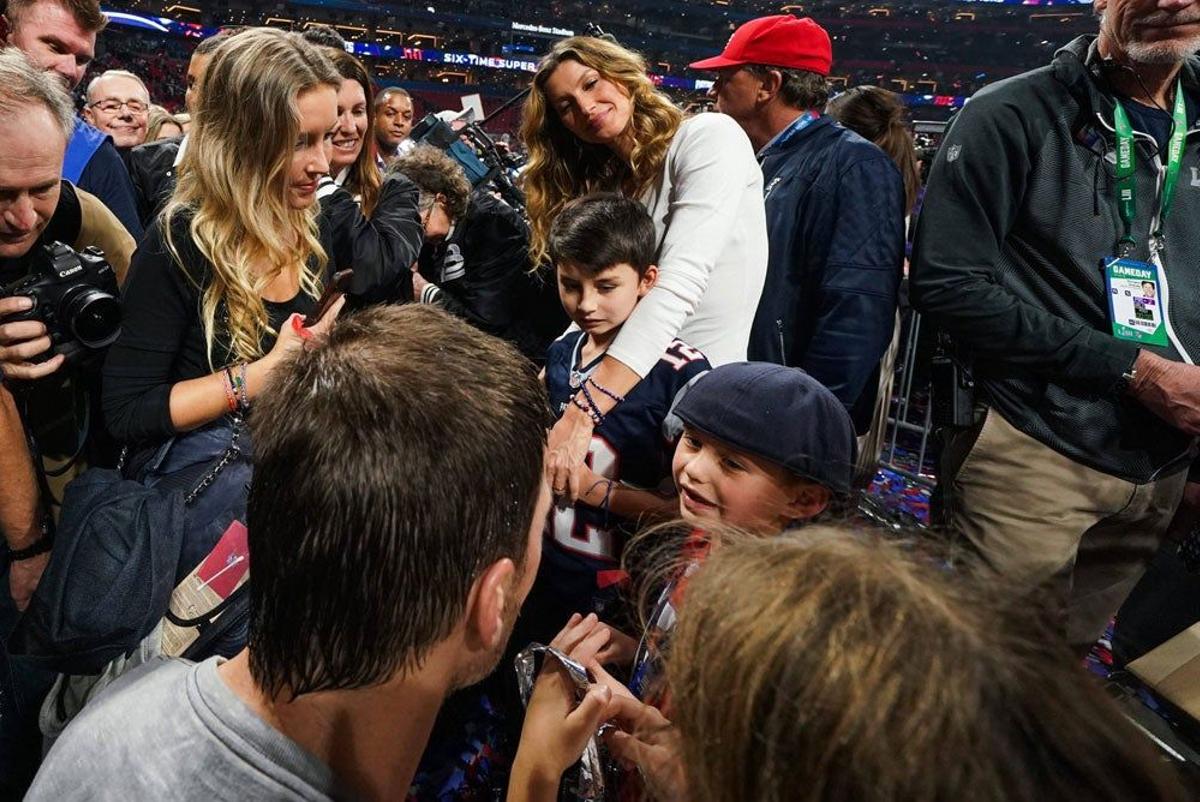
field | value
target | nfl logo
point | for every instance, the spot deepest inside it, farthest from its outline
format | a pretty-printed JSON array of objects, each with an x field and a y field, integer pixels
[{"x": 953, "y": 152}]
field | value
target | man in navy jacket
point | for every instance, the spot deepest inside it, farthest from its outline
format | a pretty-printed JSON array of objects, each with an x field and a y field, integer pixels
[{"x": 835, "y": 212}]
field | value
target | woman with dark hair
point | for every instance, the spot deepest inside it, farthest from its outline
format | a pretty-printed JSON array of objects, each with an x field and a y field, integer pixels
[
  {"x": 595, "y": 122},
  {"x": 880, "y": 116},
  {"x": 353, "y": 164}
]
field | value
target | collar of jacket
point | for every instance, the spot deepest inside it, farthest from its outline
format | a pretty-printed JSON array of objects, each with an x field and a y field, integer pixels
[
  {"x": 1079, "y": 67},
  {"x": 797, "y": 138}
]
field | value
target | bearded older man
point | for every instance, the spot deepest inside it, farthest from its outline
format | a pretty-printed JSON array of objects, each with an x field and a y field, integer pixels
[{"x": 1055, "y": 195}]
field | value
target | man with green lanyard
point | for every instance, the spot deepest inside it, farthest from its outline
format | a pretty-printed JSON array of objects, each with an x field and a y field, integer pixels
[{"x": 1059, "y": 248}]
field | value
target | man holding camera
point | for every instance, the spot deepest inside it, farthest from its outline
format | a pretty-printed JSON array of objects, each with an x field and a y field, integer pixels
[{"x": 36, "y": 208}]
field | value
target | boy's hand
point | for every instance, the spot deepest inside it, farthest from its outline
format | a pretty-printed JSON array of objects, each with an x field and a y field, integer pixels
[
  {"x": 620, "y": 649},
  {"x": 648, "y": 742},
  {"x": 602, "y": 677},
  {"x": 556, "y": 730}
]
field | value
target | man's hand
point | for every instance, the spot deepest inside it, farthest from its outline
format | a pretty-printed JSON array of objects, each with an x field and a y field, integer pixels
[
  {"x": 569, "y": 442},
  {"x": 1171, "y": 390},
  {"x": 21, "y": 340},
  {"x": 23, "y": 578}
]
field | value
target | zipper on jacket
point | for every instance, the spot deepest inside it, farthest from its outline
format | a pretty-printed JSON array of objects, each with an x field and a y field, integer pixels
[{"x": 782, "y": 350}]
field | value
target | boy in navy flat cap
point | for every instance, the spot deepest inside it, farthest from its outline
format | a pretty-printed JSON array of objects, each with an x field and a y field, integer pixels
[{"x": 764, "y": 446}]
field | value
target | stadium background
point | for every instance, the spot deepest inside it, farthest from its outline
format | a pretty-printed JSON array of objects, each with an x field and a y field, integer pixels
[{"x": 935, "y": 54}]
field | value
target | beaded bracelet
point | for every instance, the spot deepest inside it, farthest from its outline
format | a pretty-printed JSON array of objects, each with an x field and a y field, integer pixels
[
  {"x": 614, "y": 396},
  {"x": 594, "y": 414},
  {"x": 243, "y": 387},
  {"x": 591, "y": 401}
]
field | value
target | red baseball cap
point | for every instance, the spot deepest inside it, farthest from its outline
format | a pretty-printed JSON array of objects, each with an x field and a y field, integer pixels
[{"x": 778, "y": 41}]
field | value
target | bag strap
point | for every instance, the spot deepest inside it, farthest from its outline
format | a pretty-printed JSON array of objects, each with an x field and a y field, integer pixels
[
  {"x": 231, "y": 453},
  {"x": 206, "y": 618}
]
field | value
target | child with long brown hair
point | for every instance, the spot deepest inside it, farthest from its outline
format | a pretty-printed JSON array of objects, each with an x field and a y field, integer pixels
[
  {"x": 830, "y": 665},
  {"x": 880, "y": 116}
]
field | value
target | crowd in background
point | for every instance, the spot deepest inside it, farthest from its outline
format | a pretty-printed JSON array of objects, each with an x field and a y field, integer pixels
[{"x": 354, "y": 452}]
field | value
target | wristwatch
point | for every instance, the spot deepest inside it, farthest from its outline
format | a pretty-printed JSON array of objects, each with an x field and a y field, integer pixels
[{"x": 40, "y": 546}]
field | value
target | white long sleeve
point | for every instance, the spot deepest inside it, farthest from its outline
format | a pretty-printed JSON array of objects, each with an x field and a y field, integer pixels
[{"x": 712, "y": 257}]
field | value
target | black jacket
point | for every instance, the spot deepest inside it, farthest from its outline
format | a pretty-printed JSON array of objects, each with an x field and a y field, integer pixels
[
  {"x": 481, "y": 273},
  {"x": 380, "y": 249},
  {"x": 835, "y": 219},
  {"x": 152, "y": 169},
  {"x": 1020, "y": 211}
]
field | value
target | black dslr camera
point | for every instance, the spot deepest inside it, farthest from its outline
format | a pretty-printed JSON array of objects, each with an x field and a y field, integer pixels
[{"x": 75, "y": 296}]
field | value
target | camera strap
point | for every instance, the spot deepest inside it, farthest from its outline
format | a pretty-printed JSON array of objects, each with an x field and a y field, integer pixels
[{"x": 46, "y": 499}]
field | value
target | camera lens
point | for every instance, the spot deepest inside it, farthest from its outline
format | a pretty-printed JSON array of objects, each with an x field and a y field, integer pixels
[{"x": 94, "y": 317}]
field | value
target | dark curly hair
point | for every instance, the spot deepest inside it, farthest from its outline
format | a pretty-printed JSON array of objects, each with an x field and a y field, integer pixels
[{"x": 435, "y": 173}]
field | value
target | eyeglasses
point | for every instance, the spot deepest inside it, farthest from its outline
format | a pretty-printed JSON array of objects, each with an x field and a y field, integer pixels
[{"x": 115, "y": 106}]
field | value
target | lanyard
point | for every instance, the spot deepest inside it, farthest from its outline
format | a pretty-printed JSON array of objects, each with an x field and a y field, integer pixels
[
  {"x": 799, "y": 124},
  {"x": 1126, "y": 158}
]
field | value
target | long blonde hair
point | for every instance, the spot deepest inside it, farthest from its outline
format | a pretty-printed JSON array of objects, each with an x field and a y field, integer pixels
[
  {"x": 828, "y": 664},
  {"x": 233, "y": 183},
  {"x": 561, "y": 167}
]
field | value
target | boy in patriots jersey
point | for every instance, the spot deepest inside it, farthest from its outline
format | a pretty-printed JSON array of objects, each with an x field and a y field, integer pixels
[{"x": 603, "y": 247}]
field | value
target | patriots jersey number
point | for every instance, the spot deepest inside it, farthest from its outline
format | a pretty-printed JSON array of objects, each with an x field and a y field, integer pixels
[
  {"x": 680, "y": 354},
  {"x": 580, "y": 536}
]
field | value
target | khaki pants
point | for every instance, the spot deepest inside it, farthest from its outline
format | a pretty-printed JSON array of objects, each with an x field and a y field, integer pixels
[{"x": 1037, "y": 517}]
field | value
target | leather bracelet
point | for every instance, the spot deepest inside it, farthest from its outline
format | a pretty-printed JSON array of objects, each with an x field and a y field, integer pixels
[
  {"x": 231, "y": 399},
  {"x": 41, "y": 546}
]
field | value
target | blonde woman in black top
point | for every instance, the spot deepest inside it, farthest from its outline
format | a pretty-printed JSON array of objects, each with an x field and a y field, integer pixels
[{"x": 240, "y": 249}]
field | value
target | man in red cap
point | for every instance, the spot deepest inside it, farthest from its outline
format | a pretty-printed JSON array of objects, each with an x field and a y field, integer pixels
[{"x": 835, "y": 212}]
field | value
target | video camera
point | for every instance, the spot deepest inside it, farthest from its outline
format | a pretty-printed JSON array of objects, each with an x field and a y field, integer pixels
[
  {"x": 75, "y": 295},
  {"x": 482, "y": 160}
]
